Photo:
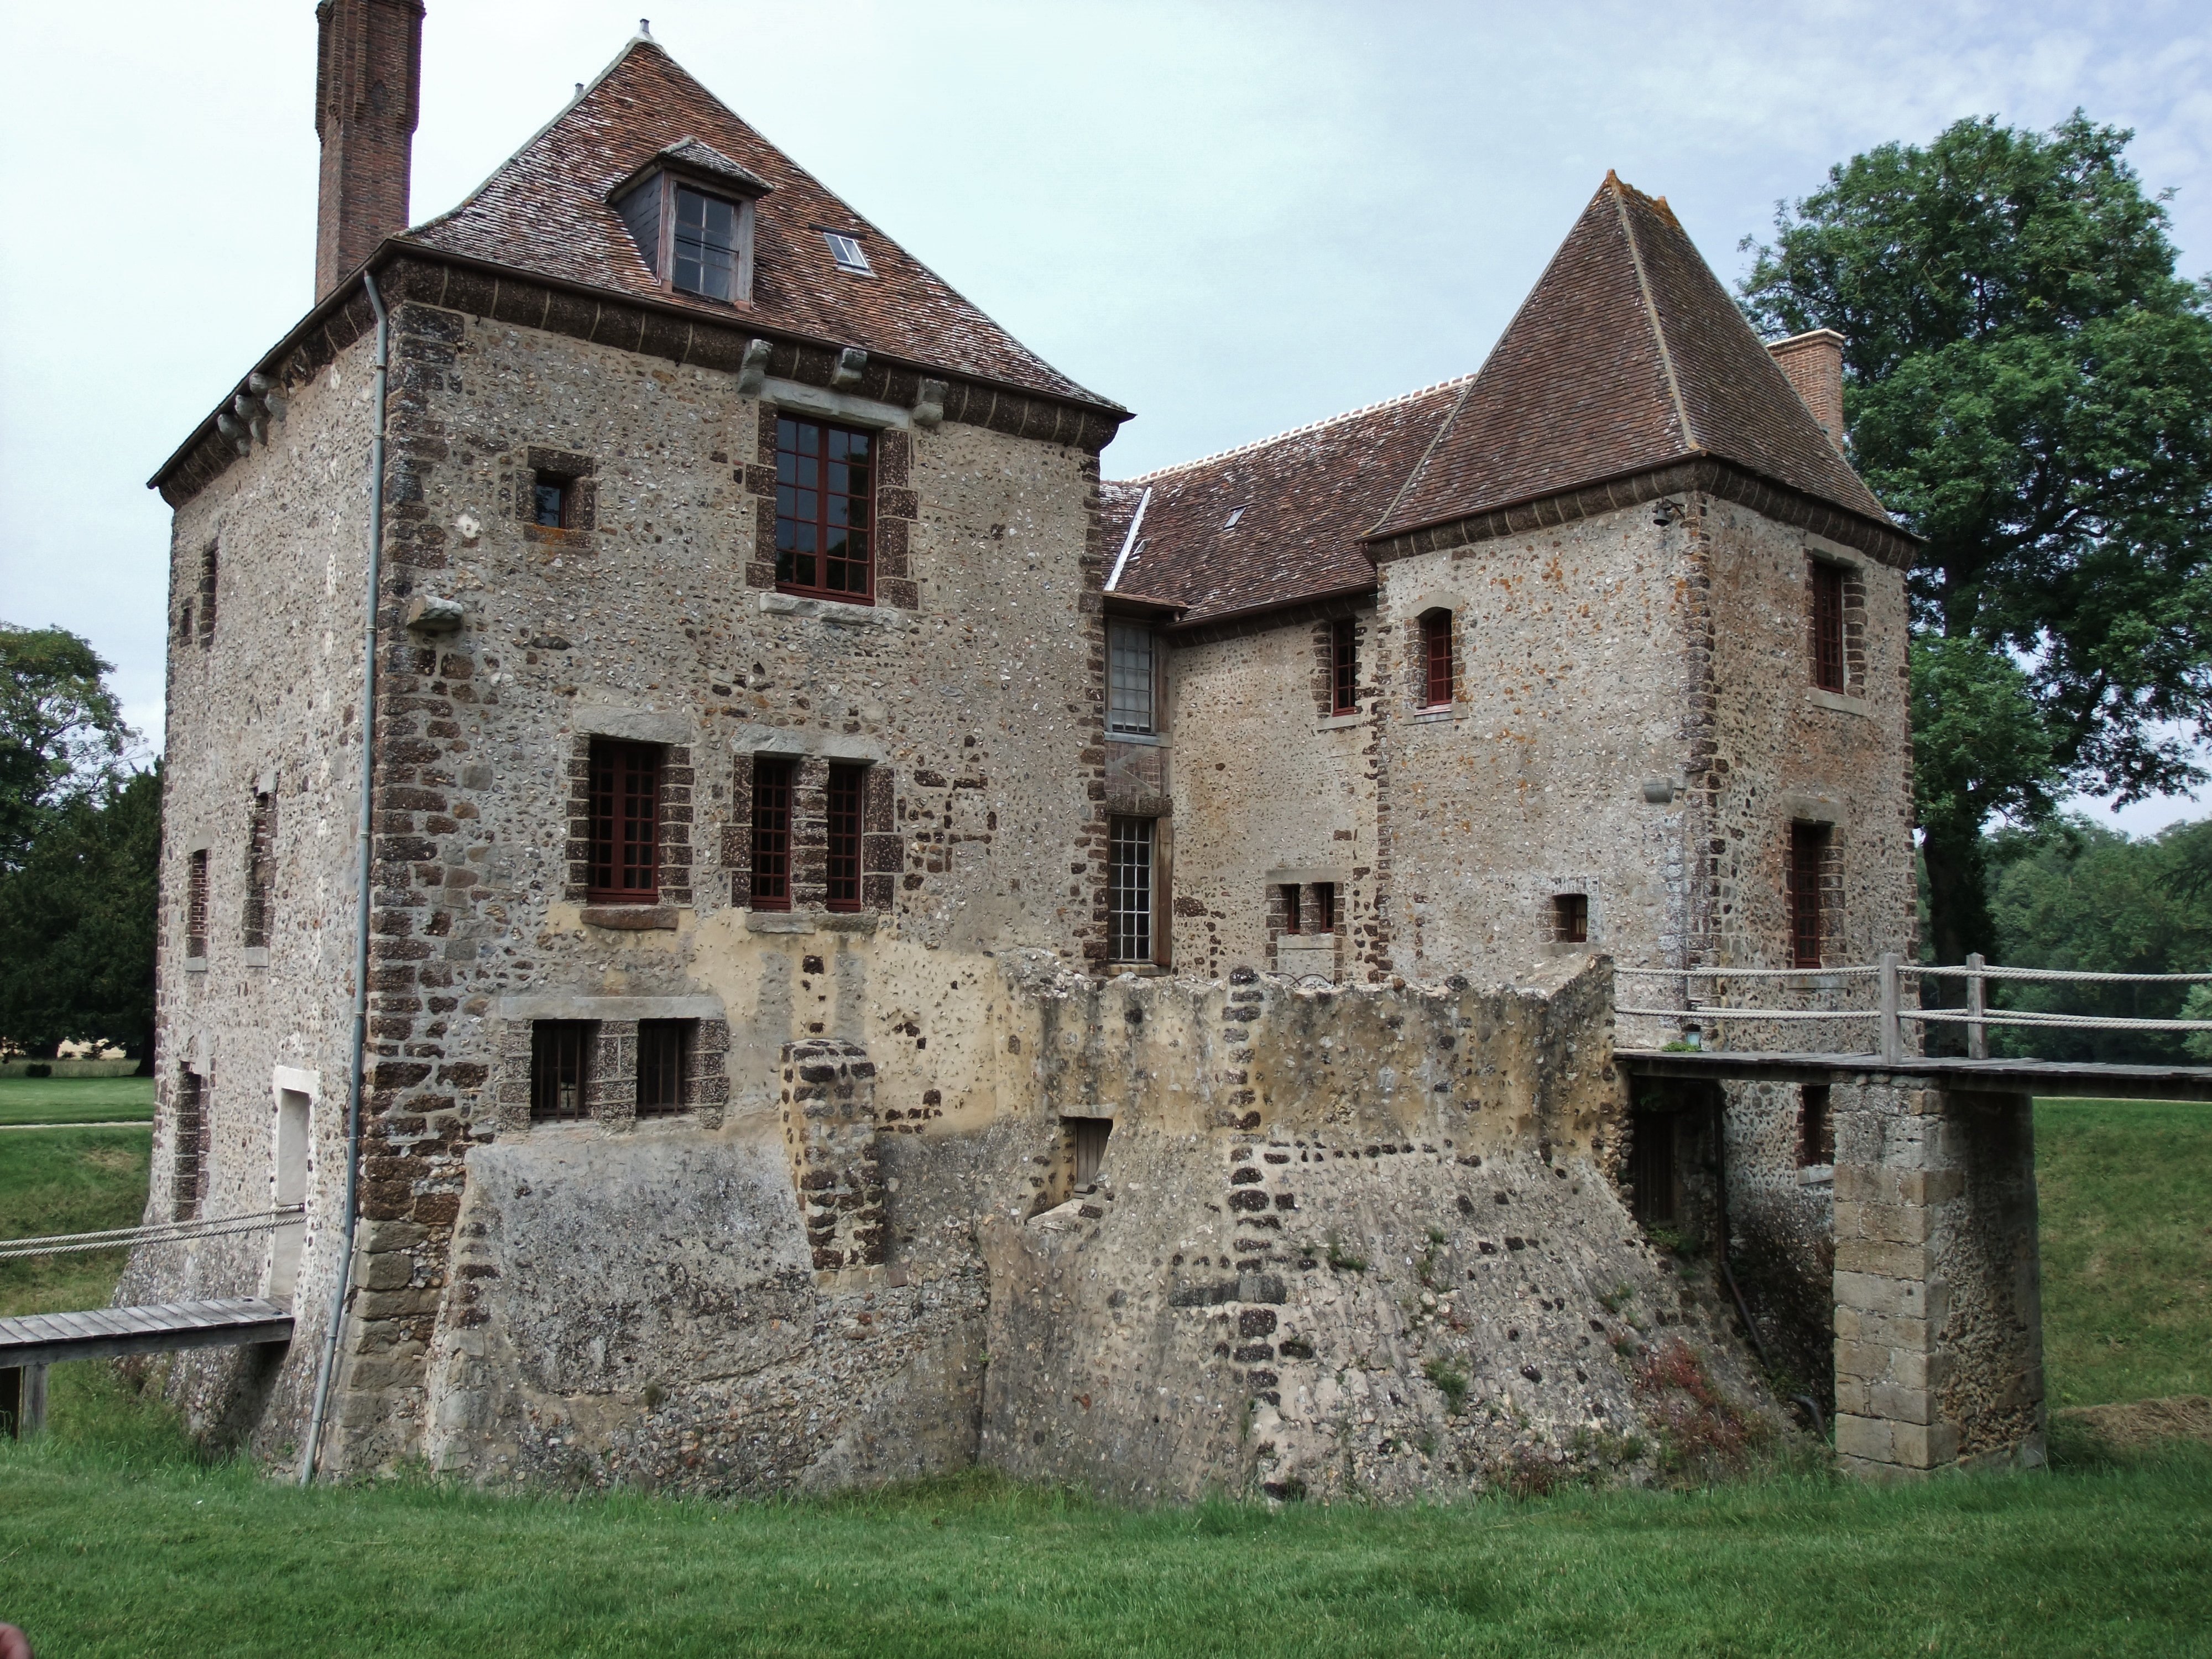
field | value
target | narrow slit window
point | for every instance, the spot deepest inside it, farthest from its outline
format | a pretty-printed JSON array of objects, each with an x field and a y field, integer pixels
[
  {"x": 260, "y": 870},
  {"x": 1828, "y": 626},
  {"x": 1816, "y": 1129},
  {"x": 823, "y": 497},
  {"x": 771, "y": 832},
  {"x": 1571, "y": 918},
  {"x": 1344, "y": 666},
  {"x": 1436, "y": 677},
  {"x": 1129, "y": 668},
  {"x": 187, "y": 1182},
  {"x": 196, "y": 907},
  {"x": 848, "y": 789},
  {"x": 560, "y": 1065},
  {"x": 1290, "y": 901},
  {"x": 1808, "y": 850},
  {"x": 1323, "y": 906},
  {"x": 208, "y": 573},
  {"x": 1129, "y": 889},
  {"x": 848, "y": 253},
  {"x": 625, "y": 823},
  {"x": 664, "y": 1065}
]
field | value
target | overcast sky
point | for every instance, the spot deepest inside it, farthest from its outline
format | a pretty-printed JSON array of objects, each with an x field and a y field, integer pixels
[{"x": 1233, "y": 218}]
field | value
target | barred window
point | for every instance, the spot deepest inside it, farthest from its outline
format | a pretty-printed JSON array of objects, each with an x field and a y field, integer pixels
[
  {"x": 847, "y": 786},
  {"x": 772, "y": 832},
  {"x": 260, "y": 869},
  {"x": 625, "y": 823},
  {"x": 664, "y": 1065},
  {"x": 188, "y": 1176},
  {"x": 1324, "y": 906},
  {"x": 1436, "y": 676},
  {"x": 207, "y": 563},
  {"x": 1129, "y": 889},
  {"x": 1290, "y": 906},
  {"x": 1344, "y": 666},
  {"x": 823, "y": 499},
  {"x": 196, "y": 905},
  {"x": 1827, "y": 626},
  {"x": 1130, "y": 680},
  {"x": 1808, "y": 853},
  {"x": 560, "y": 1070}
]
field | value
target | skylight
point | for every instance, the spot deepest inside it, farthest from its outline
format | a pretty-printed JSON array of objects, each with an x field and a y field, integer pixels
[
  {"x": 1235, "y": 514},
  {"x": 847, "y": 252}
]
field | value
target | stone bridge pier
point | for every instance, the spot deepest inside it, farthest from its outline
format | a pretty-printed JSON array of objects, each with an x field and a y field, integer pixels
[{"x": 1939, "y": 1323}]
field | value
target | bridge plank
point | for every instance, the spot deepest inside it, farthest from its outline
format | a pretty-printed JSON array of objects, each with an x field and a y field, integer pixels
[
  {"x": 102, "y": 1332},
  {"x": 2034, "y": 1076}
]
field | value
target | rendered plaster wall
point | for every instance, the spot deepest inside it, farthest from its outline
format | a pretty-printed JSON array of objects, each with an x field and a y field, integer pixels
[
  {"x": 1268, "y": 783},
  {"x": 1572, "y": 689},
  {"x": 268, "y": 700},
  {"x": 974, "y": 685},
  {"x": 1360, "y": 1242}
]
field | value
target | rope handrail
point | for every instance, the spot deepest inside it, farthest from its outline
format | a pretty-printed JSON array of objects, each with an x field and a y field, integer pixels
[
  {"x": 159, "y": 1233},
  {"x": 1749, "y": 973},
  {"x": 2056, "y": 975}
]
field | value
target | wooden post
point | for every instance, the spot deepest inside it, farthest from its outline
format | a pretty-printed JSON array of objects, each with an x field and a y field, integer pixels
[
  {"x": 34, "y": 1400},
  {"x": 23, "y": 1401},
  {"x": 11, "y": 1401},
  {"x": 1977, "y": 1033},
  {"x": 1892, "y": 1033}
]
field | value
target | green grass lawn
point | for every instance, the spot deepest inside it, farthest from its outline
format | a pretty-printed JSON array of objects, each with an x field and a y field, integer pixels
[
  {"x": 68, "y": 1181},
  {"x": 115, "y": 1538},
  {"x": 2126, "y": 1193},
  {"x": 76, "y": 1099}
]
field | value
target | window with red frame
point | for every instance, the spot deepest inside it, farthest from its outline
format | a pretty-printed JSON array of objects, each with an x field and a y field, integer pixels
[
  {"x": 823, "y": 499},
  {"x": 1808, "y": 853},
  {"x": 1344, "y": 666},
  {"x": 1436, "y": 659},
  {"x": 771, "y": 832},
  {"x": 1324, "y": 906},
  {"x": 1827, "y": 626},
  {"x": 847, "y": 782},
  {"x": 625, "y": 823}
]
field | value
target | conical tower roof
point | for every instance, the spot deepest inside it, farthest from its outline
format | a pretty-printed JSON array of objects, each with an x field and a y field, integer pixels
[{"x": 1627, "y": 356}]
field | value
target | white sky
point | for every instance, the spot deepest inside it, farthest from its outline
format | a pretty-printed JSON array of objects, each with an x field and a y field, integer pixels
[{"x": 1233, "y": 218}]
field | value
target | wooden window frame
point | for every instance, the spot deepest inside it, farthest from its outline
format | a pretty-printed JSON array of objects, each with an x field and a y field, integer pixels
[
  {"x": 1136, "y": 924},
  {"x": 1290, "y": 907},
  {"x": 1804, "y": 873},
  {"x": 789, "y": 464},
  {"x": 1571, "y": 918},
  {"x": 1344, "y": 666},
  {"x": 616, "y": 834},
  {"x": 774, "y": 779},
  {"x": 660, "y": 258},
  {"x": 1116, "y": 683},
  {"x": 666, "y": 1051},
  {"x": 558, "y": 1049},
  {"x": 844, "y": 815},
  {"x": 1825, "y": 602},
  {"x": 1439, "y": 671},
  {"x": 565, "y": 506},
  {"x": 1323, "y": 907}
]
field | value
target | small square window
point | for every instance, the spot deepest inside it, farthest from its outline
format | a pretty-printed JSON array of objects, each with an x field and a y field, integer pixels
[
  {"x": 1571, "y": 918},
  {"x": 550, "y": 500},
  {"x": 848, "y": 253}
]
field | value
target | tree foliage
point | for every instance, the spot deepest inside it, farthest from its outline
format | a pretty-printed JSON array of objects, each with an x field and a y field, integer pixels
[
  {"x": 2075, "y": 895},
  {"x": 2029, "y": 386},
  {"x": 61, "y": 734}
]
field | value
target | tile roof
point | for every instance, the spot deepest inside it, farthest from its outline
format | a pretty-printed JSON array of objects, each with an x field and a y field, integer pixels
[
  {"x": 1308, "y": 495},
  {"x": 545, "y": 211},
  {"x": 1628, "y": 355}
]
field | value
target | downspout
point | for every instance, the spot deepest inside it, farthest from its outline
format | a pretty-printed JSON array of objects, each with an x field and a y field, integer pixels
[{"x": 329, "y": 1365}]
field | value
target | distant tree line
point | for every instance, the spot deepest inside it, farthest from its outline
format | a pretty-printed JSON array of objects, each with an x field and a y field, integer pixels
[{"x": 80, "y": 853}]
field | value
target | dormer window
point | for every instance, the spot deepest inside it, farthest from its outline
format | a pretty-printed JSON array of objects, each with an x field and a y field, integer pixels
[
  {"x": 1235, "y": 514},
  {"x": 848, "y": 253},
  {"x": 690, "y": 212}
]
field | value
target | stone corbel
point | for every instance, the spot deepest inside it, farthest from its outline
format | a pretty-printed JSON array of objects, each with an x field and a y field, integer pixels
[
  {"x": 852, "y": 363},
  {"x": 426, "y": 613},
  {"x": 752, "y": 372},
  {"x": 929, "y": 405}
]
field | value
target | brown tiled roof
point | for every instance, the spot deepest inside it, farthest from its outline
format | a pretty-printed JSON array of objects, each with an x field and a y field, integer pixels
[
  {"x": 1307, "y": 497},
  {"x": 1628, "y": 355},
  {"x": 545, "y": 211}
]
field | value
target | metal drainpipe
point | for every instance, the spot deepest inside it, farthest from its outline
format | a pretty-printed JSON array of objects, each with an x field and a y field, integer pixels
[{"x": 361, "y": 922}]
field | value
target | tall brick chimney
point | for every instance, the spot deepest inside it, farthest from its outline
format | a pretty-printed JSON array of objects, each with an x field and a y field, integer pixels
[
  {"x": 369, "y": 74},
  {"x": 1814, "y": 364}
]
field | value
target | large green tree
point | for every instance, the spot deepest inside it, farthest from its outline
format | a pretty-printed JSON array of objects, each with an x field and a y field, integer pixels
[
  {"x": 62, "y": 733},
  {"x": 2029, "y": 386}
]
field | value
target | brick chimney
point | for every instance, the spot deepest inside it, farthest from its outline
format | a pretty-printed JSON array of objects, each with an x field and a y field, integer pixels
[
  {"x": 1814, "y": 364},
  {"x": 369, "y": 74}
]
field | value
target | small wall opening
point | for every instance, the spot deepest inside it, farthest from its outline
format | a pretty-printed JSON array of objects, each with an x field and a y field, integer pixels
[
  {"x": 1816, "y": 1128},
  {"x": 1571, "y": 918},
  {"x": 1089, "y": 1136},
  {"x": 560, "y": 1051},
  {"x": 294, "y": 1111},
  {"x": 1654, "y": 1177}
]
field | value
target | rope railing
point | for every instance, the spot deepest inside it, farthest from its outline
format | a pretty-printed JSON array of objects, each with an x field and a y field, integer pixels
[
  {"x": 1890, "y": 1015},
  {"x": 162, "y": 1232}
]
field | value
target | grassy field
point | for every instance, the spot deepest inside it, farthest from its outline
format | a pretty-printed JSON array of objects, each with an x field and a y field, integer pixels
[
  {"x": 116, "y": 1540},
  {"x": 76, "y": 1099},
  {"x": 68, "y": 1181},
  {"x": 2126, "y": 1193}
]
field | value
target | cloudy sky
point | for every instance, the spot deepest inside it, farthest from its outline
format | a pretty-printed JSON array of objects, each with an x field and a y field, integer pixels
[{"x": 1233, "y": 218}]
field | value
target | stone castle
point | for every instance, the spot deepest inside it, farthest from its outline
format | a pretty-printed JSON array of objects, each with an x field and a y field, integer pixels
[{"x": 886, "y": 950}]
